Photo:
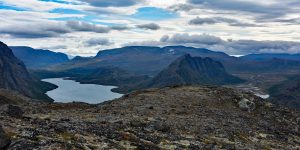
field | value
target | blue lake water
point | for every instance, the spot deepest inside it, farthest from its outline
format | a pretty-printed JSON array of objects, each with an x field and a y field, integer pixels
[{"x": 70, "y": 91}]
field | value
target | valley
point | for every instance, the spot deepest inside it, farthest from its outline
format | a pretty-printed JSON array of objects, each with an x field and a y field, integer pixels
[
  {"x": 185, "y": 101},
  {"x": 149, "y": 75}
]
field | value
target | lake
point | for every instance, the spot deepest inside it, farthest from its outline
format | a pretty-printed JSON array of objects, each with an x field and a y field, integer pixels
[{"x": 70, "y": 91}]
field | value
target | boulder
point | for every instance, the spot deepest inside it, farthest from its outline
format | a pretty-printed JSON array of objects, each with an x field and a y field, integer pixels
[
  {"x": 246, "y": 105},
  {"x": 4, "y": 140}
]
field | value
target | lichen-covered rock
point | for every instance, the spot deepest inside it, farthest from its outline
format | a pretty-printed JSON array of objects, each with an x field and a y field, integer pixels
[
  {"x": 182, "y": 118},
  {"x": 246, "y": 105},
  {"x": 4, "y": 140},
  {"x": 11, "y": 110}
]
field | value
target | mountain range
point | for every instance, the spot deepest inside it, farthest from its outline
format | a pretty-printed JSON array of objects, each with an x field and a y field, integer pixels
[
  {"x": 138, "y": 67},
  {"x": 150, "y": 61}
]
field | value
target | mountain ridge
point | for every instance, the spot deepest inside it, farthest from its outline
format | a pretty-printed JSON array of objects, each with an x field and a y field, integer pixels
[{"x": 38, "y": 58}]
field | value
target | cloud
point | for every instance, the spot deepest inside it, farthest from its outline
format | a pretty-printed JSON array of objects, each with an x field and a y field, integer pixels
[
  {"x": 38, "y": 30},
  {"x": 97, "y": 42},
  {"x": 237, "y": 47},
  {"x": 54, "y": 47},
  {"x": 188, "y": 39},
  {"x": 270, "y": 10},
  {"x": 149, "y": 26},
  {"x": 111, "y": 3},
  {"x": 87, "y": 27},
  {"x": 53, "y": 29},
  {"x": 216, "y": 20}
]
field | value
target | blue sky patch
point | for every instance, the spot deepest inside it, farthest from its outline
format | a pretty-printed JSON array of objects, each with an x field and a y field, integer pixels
[
  {"x": 65, "y": 11},
  {"x": 3, "y": 6},
  {"x": 153, "y": 13},
  {"x": 56, "y": 1}
]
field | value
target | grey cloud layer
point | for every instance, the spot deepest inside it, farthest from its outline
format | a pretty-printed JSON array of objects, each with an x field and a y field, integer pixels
[
  {"x": 51, "y": 29},
  {"x": 271, "y": 10},
  {"x": 97, "y": 42},
  {"x": 150, "y": 26},
  {"x": 238, "y": 47},
  {"x": 216, "y": 20}
]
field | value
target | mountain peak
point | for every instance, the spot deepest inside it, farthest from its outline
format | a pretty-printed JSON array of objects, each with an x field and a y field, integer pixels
[{"x": 188, "y": 70}]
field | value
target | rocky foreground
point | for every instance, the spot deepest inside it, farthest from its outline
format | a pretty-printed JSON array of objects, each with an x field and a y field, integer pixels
[{"x": 169, "y": 118}]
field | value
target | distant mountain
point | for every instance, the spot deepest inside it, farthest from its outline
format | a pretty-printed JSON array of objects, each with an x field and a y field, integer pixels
[
  {"x": 188, "y": 70},
  {"x": 269, "y": 65},
  {"x": 141, "y": 59},
  {"x": 287, "y": 93},
  {"x": 269, "y": 56},
  {"x": 38, "y": 58},
  {"x": 14, "y": 76}
]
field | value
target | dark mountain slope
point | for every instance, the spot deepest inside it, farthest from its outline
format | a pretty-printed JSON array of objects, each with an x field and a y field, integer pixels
[
  {"x": 113, "y": 76},
  {"x": 269, "y": 56},
  {"x": 287, "y": 93},
  {"x": 38, "y": 58},
  {"x": 188, "y": 70},
  {"x": 264, "y": 66},
  {"x": 14, "y": 76}
]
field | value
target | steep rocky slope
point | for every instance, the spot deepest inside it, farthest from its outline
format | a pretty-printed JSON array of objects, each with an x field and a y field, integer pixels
[
  {"x": 287, "y": 93},
  {"x": 169, "y": 118},
  {"x": 14, "y": 76},
  {"x": 188, "y": 70},
  {"x": 38, "y": 58}
]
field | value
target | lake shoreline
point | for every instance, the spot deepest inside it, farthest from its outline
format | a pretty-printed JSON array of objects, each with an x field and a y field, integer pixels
[{"x": 69, "y": 91}]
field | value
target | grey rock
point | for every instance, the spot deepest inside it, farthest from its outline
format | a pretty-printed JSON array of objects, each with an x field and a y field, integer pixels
[
  {"x": 11, "y": 110},
  {"x": 246, "y": 105},
  {"x": 4, "y": 140}
]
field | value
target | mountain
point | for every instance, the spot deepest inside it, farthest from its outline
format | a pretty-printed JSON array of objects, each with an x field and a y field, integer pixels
[
  {"x": 151, "y": 60},
  {"x": 38, "y": 58},
  {"x": 287, "y": 93},
  {"x": 14, "y": 76},
  {"x": 140, "y": 59},
  {"x": 188, "y": 70},
  {"x": 269, "y": 56},
  {"x": 264, "y": 66}
]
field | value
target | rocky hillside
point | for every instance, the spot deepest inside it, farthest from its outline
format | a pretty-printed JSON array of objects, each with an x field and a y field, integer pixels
[
  {"x": 169, "y": 118},
  {"x": 287, "y": 93},
  {"x": 14, "y": 76},
  {"x": 38, "y": 58},
  {"x": 188, "y": 70}
]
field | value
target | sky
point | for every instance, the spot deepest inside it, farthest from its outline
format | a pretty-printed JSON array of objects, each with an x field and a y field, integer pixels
[{"x": 83, "y": 27}]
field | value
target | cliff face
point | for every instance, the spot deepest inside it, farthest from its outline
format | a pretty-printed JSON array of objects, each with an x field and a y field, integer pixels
[
  {"x": 14, "y": 75},
  {"x": 188, "y": 70}
]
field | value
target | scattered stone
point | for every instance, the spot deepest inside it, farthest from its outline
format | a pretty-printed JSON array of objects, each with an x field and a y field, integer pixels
[
  {"x": 4, "y": 140},
  {"x": 11, "y": 110}
]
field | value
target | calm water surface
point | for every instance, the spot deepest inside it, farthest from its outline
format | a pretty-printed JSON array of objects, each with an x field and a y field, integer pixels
[{"x": 69, "y": 91}]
